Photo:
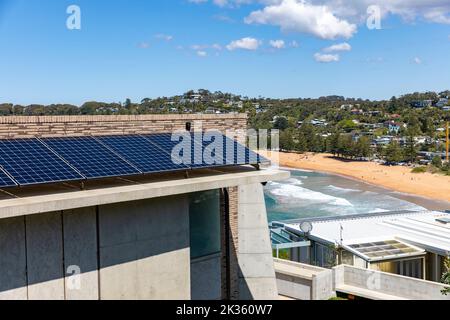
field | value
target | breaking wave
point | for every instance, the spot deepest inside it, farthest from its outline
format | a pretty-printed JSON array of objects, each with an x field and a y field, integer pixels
[{"x": 289, "y": 193}]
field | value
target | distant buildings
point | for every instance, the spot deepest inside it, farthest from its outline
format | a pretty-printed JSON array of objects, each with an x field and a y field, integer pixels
[
  {"x": 319, "y": 123},
  {"x": 442, "y": 103},
  {"x": 412, "y": 244},
  {"x": 422, "y": 104},
  {"x": 394, "y": 127}
]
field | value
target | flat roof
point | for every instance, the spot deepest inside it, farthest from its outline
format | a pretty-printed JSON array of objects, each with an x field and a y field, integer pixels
[
  {"x": 421, "y": 229},
  {"x": 41, "y": 199}
]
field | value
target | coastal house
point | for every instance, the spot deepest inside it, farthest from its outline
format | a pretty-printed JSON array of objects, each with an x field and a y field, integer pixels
[
  {"x": 319, "y": 123},
  {"x": 422, "y": 104},
  {"x": 394, "y": 127},
  {"x": 442, "y": 102},
  {"x": 383, "y": 141},
  {"x": 99, "y": 208},
  {"x": 412, "y": 244}
]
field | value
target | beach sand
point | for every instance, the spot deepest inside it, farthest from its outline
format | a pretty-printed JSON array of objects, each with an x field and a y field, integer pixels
[{"x": 395, "y": 178}]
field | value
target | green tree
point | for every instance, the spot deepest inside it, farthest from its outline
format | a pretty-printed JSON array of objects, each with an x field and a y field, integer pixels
[
  {"x": 333, "y": 144},
  {"x": 393, "y": 153},
  {"x": 437, "y": 162},
  {"x": 345, "y": 146},
  {"x": 362, "y": 148},
  {"x": 287, "y": 142},
  {"x": 411, "y": 150},
  {"x": 281, "y": 123}
]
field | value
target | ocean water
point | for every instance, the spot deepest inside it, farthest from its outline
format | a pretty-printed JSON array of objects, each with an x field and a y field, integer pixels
[{"x": 312, "y": 194}]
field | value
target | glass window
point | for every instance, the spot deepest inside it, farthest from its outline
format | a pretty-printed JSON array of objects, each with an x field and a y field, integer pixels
[{"x": 204, "y": 210}]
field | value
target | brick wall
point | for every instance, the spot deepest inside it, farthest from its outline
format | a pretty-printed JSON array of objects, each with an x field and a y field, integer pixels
[
  {"x": 55, "y": 126},
  {"x": 230, "y": 277},
  {"x": 234, "y": 241}
]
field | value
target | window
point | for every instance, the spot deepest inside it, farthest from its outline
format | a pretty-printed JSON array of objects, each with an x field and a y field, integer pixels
[{"x": 204, "y": 210}]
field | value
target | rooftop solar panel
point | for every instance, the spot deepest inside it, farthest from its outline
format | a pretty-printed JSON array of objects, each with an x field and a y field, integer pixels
[
  {"x": 5, "y": 180},
  {"x": 210, "y": 150},
  {"x": 242, "y": 154},
  {"x": 146, "y": 156},
  {"x": 91, "y": 158},
  {"x": 234, "y": 153},
  {"x": 29, "y": 162},
  {"x": 164, "y": 142}
]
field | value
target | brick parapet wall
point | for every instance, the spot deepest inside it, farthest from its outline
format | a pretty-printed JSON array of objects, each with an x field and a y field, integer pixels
[{"x": 55, "y": 126}]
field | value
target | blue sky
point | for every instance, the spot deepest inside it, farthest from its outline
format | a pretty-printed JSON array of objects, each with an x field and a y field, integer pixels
[{"x": 273, "y": 48}]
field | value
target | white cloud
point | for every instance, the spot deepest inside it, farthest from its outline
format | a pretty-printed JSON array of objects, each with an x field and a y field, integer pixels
[
  {"x": 301, "y": 16},
  {"x": 202, "y": 53},
  {"x": 331, "y": 19},
  {"x": 245, "y": 44},
  {"x": 417, "y": 60},
  {"x": 164, "y": 37},
  {"x": 326, "y": 58},
  {"x": 339, "y": 47},
  {"x": 277, "y": 44},
  {"x": 294, "y": 44},
  {"x": 144, "y": 45}
]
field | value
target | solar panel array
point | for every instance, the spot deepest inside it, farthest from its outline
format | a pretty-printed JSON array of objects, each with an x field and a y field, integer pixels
[
  {"x": 145, "y": 155},
  {"x": 28, "y": 161},
  {"x": 51, "y": 160},
  {"x": 90, "y": 157}
]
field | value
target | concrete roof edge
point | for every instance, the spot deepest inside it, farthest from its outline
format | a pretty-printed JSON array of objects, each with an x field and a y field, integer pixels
[{"x": 82, "y": 199}]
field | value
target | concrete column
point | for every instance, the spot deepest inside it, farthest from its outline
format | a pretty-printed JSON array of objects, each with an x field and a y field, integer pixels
[
  {"x": 257, "y": 273},
  {"x": 45, "y": 257},
  {"x": 80, "y": 254},
  {"x": 13, "y": 277}
]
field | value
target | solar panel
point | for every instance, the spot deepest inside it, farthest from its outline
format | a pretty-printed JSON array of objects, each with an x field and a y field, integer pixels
[
  {"x": 146, "y": 156},
  {"x": 175, "y": 148},
  {"x": 234, "y": 153},
  {"x": 29, "y": 162},
  {"x": 90, "y": 157},
  {"x": 208, "y": 152},
  {"x": 181, "y": 151},
  {"x": 5, "y": 180}
]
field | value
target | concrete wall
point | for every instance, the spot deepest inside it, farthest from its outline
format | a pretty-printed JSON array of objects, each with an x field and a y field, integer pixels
[
  {"x": 13, "y": 274},
  {"x": 133, "y": 250},
  {"x": 303, "y": 281},
  {"x": 142, "y": 249},
  {"x": 206, "y": 278},
  {"x": 380, "y": 283},
  {"x": 257, "y": 274}
]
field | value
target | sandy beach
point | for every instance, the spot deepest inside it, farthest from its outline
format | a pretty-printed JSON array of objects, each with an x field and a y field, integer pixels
[{"x": 395, "y": 178}]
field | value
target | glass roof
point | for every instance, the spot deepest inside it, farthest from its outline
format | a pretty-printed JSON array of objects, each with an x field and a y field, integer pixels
[{"x": 384, "y": 249}]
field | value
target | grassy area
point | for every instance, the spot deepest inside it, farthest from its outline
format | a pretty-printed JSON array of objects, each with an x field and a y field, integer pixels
[{"x": 445, "y": 170}]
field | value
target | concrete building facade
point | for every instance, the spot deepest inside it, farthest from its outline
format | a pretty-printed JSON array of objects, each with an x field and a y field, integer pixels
[{"x": 162, "y": 236}]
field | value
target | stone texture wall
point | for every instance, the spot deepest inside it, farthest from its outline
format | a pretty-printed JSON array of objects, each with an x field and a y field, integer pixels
[{"x": 56, "y": 126}]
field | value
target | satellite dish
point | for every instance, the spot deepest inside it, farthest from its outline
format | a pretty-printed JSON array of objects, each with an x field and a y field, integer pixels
[{"x": 306, "y": 227}]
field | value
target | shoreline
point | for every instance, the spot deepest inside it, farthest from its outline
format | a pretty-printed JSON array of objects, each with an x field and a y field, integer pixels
[{"x": 425, "y": 186}]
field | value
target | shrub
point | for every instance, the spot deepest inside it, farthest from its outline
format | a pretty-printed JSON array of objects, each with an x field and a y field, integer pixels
[{"x": 419, "y": 170}]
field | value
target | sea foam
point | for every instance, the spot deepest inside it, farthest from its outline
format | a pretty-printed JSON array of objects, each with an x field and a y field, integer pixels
[{"x": 288, "y": 193}]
